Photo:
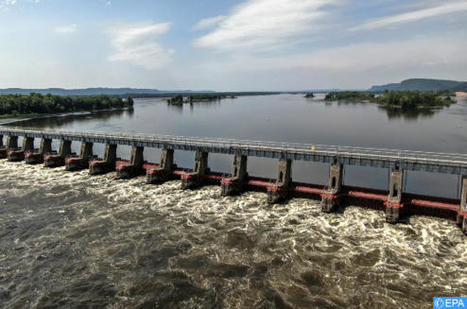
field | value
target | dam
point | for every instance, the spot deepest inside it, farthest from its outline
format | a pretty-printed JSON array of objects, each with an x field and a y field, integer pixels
[{"x": 393, "y": 201}]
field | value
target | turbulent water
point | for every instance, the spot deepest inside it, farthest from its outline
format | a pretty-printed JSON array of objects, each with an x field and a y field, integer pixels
[{"x": 70, "y": 240}]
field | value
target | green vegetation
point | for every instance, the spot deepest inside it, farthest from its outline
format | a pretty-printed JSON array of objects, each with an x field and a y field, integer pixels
[
  {"x": 350, "y": 96},
  {"x": 310, "y": 95},
  {"x": 397, "y": 99},
  {"x": 209, "y": 97},
  {"x": 178, "y": 100},
  {"x": 411, "y": 100},
  {"x": 407, "y": 104},
  {"x": 34, "y": 104}
]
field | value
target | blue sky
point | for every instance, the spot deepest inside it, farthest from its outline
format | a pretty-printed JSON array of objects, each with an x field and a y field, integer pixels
[{"x": 230, "y": 45}]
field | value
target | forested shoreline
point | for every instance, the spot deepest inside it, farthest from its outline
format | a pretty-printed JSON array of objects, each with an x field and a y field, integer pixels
[
  {"x": 404, "y": 100},
  {"x": 15, "y": 105}
]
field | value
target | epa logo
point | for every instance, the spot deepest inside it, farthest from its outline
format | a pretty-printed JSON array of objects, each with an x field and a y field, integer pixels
[
  {"x": 438, "y": 303},
  {"x": 449, "y": 302}
]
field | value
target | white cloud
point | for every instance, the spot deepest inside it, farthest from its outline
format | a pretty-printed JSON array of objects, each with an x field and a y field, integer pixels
[
  {"x": 266, "y": 23},
  {"x": 446, "y": 8},
  {"x": 135, "y": 43},
  {"x": 208, "y": 22},
  {"x": 67, "y": 29},
  {"x": 357, "y": 65},
  {"x": 108, "y": 3},
  {"x": 7, "y": 4},
  {"x": 349, "y": 66}
]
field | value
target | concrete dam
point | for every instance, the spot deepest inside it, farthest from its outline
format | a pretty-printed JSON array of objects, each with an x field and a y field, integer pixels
[{"x": 393, "y": 201}]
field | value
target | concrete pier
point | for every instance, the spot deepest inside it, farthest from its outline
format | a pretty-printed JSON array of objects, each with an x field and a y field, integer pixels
[
  {"x": 107, "y": 164},
  {"x": 164, "y": 171},
  {"x": 279, "y": 191},
  {"x": 15, "y": 155},
  {"x": 3, "y": 149},
  {"x": 37, "y": 156},
  {"x": 331, "y": 196},
  {"x": 237, "y": 183},
  {"x": 194, "y": 179},
  {"x": 134, "y": 167},
  {"x": 11, "y": 144},
  {"x": 462, "y": 214},
  {"x": 80, "y": 162},
  {"x": 394, "y": 202},
  {"x": 58, "y": 159}
]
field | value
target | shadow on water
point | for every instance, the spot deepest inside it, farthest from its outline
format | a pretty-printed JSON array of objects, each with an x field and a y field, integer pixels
[
  {"x": 410, "y": 114},
  {"x": 392, "y": 112},
  {"x": 193, "y": 106},
  {"x": 69, "y": 119}
]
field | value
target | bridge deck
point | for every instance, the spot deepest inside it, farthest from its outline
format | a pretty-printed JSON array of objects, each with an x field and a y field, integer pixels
[{"x": 406, "y": 159}]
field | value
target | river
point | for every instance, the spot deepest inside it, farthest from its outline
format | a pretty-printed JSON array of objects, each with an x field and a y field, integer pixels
[{"x": 69, "y": 240}]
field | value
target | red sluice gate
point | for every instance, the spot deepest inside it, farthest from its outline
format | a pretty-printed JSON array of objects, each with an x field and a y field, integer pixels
[{"x": 358, "y": 196}]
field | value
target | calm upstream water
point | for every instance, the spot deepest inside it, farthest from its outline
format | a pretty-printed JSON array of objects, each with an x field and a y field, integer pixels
[{"x": 68, "y": 240}]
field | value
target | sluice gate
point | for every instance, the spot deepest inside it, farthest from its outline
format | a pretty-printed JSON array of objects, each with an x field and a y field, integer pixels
[{"x": 394, "y": 201}]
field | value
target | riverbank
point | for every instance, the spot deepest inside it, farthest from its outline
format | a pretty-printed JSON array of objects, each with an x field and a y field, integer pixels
[
  {"x": 34, "y": 104},
  {"x": 26, "y": 117}
]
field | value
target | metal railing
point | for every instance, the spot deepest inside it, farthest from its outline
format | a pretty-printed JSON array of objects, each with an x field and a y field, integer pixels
[{"x": 455, "y": 163}]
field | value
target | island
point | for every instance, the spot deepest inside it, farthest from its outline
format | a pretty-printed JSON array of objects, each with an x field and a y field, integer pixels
[
  {"x": 401, "y": 99},
  {"x": 180, "y": 99},
  {"x": 350, "y": 96}
]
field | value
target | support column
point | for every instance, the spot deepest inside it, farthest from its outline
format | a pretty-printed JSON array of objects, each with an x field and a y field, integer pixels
[
  {"x": 58, "y": 159},
  {"x": 106, "y": 165},
  {"x": 46, "y": 146},
  {"x": 331, "y": 197},
  {"x": 280, "y": 190},
  {"x": 194, "y": 179},
  {"x": 164, "y": 171},
  {"x": 28, "y": 143},
  {"x": 36, "y": 157},
  {"x": 3, "y": 149},
  {"x": 86, "y": 150},
  {"x": 134, "y": 167},
  {"x": 236, "y": 184},
  {"x": 15, "y": 154},
  {"x": 11, "y": 144},
  {"x": 137, "y": 157},
  {"x": 64, "y": 148},
  {"x": 462, "y": 215},
  {"x": 394, "y": 202},
  {"x": 81, "y": 162},
  {"x": 110, "y": 153}
]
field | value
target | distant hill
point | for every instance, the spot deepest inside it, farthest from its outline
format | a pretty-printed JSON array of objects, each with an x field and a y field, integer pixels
[
  {"x": 422, "y": 84},
  {"x": 96, "y": 91}
]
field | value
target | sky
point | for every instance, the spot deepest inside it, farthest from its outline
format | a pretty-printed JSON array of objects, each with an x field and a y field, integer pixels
[{"x": 230, "y": 45}]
